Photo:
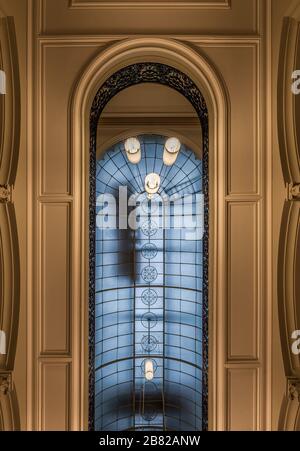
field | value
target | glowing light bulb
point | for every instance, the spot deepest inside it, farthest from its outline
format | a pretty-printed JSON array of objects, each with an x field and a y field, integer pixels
[
  {"x": 2, "y": 342},
  {"x": 133, "y": 150},
  {"x": 171, "y": 151},
  {"x": 149, "y": 370},
  {"x": 2, "y": 82},
  {"x": 152, "y": 183}
]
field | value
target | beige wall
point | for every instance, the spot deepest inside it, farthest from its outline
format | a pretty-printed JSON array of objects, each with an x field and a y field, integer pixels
[
  {"x": 70, "y": 39},
  {"x": 235, "y": 38}
]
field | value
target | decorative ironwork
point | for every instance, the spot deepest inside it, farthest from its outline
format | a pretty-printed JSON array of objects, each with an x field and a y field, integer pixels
[
  {"x": 149, "y": 320},
  {"x": 147, "y": 72},
  {"x": 149, "y": 251},
  {"x": 149, "y": 343},
  {"x": 149, "y": 228},
  {"x": 149, "y": 274},
  {"x": 149, "y": 297}
]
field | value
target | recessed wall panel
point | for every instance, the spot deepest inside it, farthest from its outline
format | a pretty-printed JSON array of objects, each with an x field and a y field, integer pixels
[
  {"x": 170, "y": 16},
  {"x": 242, "y": 321},
  {"x": 55, "y": 386},
  {"x": 242, "y": 386},
  {"x": 55, "y": 269},
  {"x": 239, "y": 67},
  {"x": 61, "y": 68}
]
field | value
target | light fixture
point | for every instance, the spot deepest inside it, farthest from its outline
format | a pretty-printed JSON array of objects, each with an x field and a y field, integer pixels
[
  {"x": 2, "y": 82},
  {"x": 152, "y": 184},
  {"x": 171, "y": 151},
  {"x": 133, "y": 150},
  {"x": 2, "y": 342},
  {"x": 149, "y": 370}
]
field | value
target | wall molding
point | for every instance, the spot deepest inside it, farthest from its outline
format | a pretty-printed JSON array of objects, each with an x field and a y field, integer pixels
[
  {"x": 9, "y": 304},
  {"x": 10, "y": 109},
  {"x": 5, "y": 193},
  {"x": 5, "y": 383},
  {"x": 195, "y": 66},
  {"x": 294, "y": 389},
  {"x": 9, "y": 408},
  {"x": 151, "y": 4},
  {"x": 288, "y": 256},
  {"x": 190, "y": 61},
  {"x": 290, "y": 408},
  {"x": 293, "y": 191},
  {"x": 213, "y": 40}
]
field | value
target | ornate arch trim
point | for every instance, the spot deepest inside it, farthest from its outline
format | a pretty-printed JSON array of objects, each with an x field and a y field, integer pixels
[
  {"x": 184, "y": 59},
  {"x": 289, "y": 243},
  {"x": 9, "y": 248}
]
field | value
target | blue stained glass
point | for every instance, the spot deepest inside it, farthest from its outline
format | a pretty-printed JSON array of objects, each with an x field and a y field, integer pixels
[{"x": 149, "y": 300}]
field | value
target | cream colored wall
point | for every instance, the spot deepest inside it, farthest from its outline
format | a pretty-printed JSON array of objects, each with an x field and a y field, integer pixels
[
  {"x": 231, "y": 38},
  {"x": 235, "y": 38}
]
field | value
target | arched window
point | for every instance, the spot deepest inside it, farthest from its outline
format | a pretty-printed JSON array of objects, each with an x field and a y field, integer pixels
[{"x": 148, "y": 325}]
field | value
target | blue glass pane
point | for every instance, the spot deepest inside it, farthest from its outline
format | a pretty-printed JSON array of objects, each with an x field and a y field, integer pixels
[{"x": 149, "y": 297}]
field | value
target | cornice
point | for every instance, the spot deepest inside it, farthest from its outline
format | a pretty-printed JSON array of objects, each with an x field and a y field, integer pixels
[
  {"x": 150, "y": 4},
  {"x": 207, "y": 39}
]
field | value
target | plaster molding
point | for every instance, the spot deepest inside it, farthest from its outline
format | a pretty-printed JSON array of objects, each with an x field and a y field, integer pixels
[
  {"x": 294, "y": 389},
  {"x": 9, "y": 408},
  {"x": 5, "y": 193},
  {"x": 288, "y": 264},
  {"x": 10, "y": 109},
  {"x": 287, "y": 123},
  {"x": 293, "y": 191},
  {"x": 151, "y": 4},
  {"x": 288, "y": 256},
  {"x": 5, "y": 383},
  {"x": 195, "y": 66},
  {"x": 9, "y": 301}
]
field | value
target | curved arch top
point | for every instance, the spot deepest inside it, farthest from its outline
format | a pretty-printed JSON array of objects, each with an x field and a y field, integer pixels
[
  {"x": 156, "y": 50},
  {"x": 147, "y": 72},
  {"x": 203, "y": 76}
]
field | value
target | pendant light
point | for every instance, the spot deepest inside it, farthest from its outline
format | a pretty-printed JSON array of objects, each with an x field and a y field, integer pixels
[
  {"x": 171, "y": 151},
  {"x": 2, "y": 82},
  {"x": 133, "y": 150}
]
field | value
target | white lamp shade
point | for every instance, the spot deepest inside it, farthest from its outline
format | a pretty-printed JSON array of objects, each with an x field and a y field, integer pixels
[
  {"x": 2, "y": 82},
  {"x": 133, "y": 150},
  {"x": 152, "y": 183},
  {"x": 149, "y": 370},
  {"x": 2, "y": 342},
  {"x": 171, "y": 151}
]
